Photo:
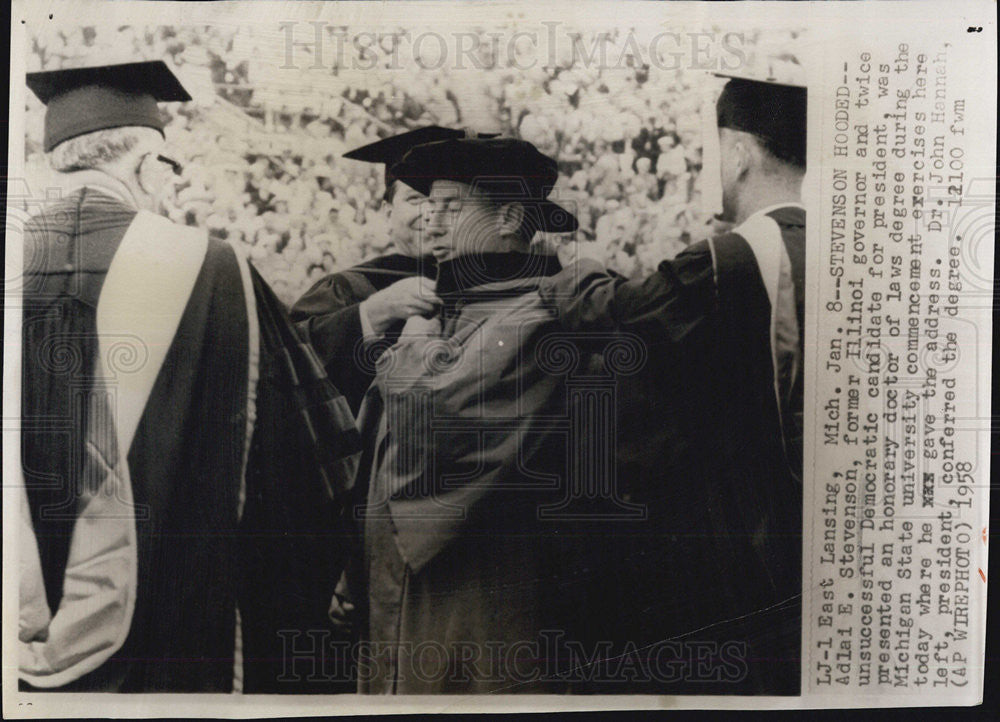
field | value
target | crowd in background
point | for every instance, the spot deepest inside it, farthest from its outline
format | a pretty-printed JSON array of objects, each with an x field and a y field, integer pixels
[{"x": 261, "y": 144}]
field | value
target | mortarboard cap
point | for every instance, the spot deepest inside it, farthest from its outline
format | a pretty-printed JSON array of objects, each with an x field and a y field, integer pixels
[
  {"x": 391, "y": 150},
  {"x": 84, "y": 100},
  {"x": 504, "y": 168},
  {"x": 773, "y": 111}
]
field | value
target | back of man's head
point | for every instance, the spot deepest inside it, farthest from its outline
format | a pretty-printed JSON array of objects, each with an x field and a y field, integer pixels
[
  {"x": 762, "y": 134},
  {"x": 110, "y": 150},
  {"x": 774, "y": 113},
  {"x": 107, "y": 118}
]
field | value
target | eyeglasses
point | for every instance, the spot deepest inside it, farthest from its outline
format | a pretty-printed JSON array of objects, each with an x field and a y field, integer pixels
[{"x": 176, "y": 167}]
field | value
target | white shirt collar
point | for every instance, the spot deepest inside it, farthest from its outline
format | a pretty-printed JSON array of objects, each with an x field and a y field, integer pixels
[{"x": 775, "y": 206}]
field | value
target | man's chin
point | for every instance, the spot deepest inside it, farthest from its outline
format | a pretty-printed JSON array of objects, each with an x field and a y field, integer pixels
[
  {"x": 407, "y": 249},
  {"x": 726, "y": 215},
  {"x": 160, "y": 204}
]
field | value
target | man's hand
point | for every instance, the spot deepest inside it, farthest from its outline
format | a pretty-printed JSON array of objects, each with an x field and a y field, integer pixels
[
  {"x": 403, "y": 299},
  {"x": 343, "y": 613},
  {"x": 576, "y": 250},
  {"x": 420, "y": 326}
]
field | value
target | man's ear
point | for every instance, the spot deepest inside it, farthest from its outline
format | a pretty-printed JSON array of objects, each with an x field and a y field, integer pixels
[
  {"x": 510, "y": 218},
  {"x": 145, "y": 173},
  {"x": 743, "y": 151}
]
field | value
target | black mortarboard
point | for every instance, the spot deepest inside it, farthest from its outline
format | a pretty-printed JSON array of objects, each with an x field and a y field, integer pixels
[
  {"x": 83, "y": 100},
  {"x": 504, "y": 168},
  {"x": 392, "y": 149},
  {"x": 772, "y": 111}
]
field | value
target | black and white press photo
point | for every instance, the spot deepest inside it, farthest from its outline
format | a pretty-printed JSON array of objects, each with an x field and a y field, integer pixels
[{"x": 430, "y": 349}]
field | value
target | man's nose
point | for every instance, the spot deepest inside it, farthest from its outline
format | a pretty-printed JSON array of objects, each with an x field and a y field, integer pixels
[{"x": 436, "y": 221}]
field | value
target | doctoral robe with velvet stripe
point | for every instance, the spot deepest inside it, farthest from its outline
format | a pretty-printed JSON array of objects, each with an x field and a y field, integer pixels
[
  {"x": 295, "y": 537},
  {"x": 710, "y": 441}
]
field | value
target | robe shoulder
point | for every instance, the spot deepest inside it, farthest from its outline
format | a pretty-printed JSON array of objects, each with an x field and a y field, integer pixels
[
  {"x": 68, "y": 247},
  {"x": 328, "y": 295},
  {"x": 667, "y": 304}
]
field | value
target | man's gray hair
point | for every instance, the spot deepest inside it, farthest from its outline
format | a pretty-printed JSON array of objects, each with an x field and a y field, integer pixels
[{"x": 101, "y": 148}]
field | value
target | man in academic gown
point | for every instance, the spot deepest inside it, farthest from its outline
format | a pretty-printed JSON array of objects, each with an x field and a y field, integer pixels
[
  {"x": 171, "y": 424},
  {"x": 466, "y": 428},
  {"x": 711, "y": 430},
  {"x": 372, "y": 299}
]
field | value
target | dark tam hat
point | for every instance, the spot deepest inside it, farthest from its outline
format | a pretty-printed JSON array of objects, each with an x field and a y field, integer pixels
[
  {"x": 84, "y": 100},
  {"x": 774, "y": 112},
  {"x": 392, "y": 149},
  {"x": 502, "y": 168}
]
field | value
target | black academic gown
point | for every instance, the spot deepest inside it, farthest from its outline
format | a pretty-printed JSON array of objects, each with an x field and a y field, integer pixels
[
  {"x": 187, "y": 459},
  {"x": 704, "y": 444},
  {"x": 328, "y": 317}
]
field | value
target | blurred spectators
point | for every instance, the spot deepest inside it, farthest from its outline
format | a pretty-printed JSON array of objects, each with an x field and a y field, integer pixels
[{"x": 261, "y": 145}]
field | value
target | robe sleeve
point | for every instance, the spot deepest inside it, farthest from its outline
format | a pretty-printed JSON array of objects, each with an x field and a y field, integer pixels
[
  {"x": 331, "y": 294},
  {"x": 328, "y": 317},
  {"x": 662, "y": 308}
]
